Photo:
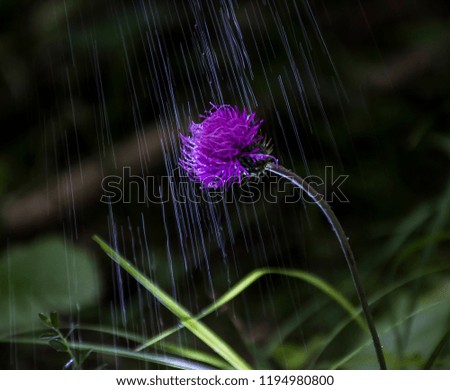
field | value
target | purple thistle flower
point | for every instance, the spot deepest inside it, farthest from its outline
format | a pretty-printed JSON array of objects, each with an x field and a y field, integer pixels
[{"x": 225, "y": 148}]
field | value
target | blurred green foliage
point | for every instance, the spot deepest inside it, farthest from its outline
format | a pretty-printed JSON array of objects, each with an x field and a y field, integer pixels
[{"x": 46, "y": 274}]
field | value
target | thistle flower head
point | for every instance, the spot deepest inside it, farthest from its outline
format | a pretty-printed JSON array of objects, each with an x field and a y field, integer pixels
[{"x": 225, "y": 148}]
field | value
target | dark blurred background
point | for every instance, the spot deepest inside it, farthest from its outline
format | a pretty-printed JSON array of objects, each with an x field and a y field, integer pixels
[{"x": 87, "y": 88}]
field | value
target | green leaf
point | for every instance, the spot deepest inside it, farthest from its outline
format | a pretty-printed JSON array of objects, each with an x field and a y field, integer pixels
[
  {"x": 54, "y": 319},
  {"x": 48, "y": 274},
  {"x": 45, "y": 320},
  {"x": 58, "y": 345},
  {"x": 251, "y": 278},
  {"x": 194, "y": 354},
  {"x": 203, "y": 332}
]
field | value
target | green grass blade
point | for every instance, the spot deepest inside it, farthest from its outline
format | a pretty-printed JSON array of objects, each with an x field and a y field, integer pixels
[
  {"x": 164, "y": 360},
  {"x": 183, "y": 352},
  {"x": 422, "y": 243},
  {"x": 161, "y": 336},
  {"x": 380, "y": 295},
  {"x": 252, "y": 278},
  {"x": 297, "y": 274},
  {"x": 168, "y": 361},
  {"x": 353, "y": 353},
  {"x": 440, "y": 347},
  {"x": 196, "y": 355},
  {"x": 327, "y": 289},
  {"x": 191, "y": 354},
  {"x": 203, "y": 332}
]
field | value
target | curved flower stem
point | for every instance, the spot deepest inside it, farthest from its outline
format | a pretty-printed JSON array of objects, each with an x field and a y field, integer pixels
[{"x": 345, "y": 246}]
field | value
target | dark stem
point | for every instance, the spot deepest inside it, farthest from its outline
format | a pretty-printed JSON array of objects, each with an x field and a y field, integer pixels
[{"x": 345, "y": 246}]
